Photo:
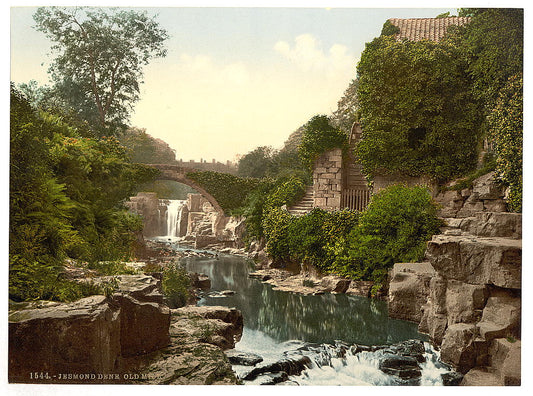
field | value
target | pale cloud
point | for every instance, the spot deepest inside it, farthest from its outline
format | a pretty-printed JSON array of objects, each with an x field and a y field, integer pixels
[
  {"x": 308, "y": 56},
  {"x": 207, "y": 108}
]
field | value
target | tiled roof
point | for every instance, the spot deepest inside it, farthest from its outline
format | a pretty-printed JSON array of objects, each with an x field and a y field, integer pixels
[{"x": 416, "y": 29}]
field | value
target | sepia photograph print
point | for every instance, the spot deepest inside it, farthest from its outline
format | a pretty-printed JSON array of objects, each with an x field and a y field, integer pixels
[{"x": 312, "y": 195}]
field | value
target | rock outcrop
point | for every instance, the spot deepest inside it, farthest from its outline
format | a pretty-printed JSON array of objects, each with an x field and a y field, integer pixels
[
  {"x": 408, "y": 290},
  {"x": 484, "y": 196},
  {"x": 94, "y": 335},
  {"x": 128, "y": 337},
  {"x": 473, "y": 299},
  {"x": 195, "y": 355}
]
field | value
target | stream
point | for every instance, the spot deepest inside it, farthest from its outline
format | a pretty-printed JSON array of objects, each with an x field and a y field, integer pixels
[{"x": 347, "y": 338}]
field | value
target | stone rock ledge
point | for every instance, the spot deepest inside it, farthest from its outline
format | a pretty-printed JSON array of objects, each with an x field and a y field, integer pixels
[
  {"x": 303, "y": 283},
  {"x": 195, "y": 356}
]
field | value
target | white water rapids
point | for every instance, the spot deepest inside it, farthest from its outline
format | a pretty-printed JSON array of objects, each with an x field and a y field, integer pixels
[{"x": 328, "y": 368}]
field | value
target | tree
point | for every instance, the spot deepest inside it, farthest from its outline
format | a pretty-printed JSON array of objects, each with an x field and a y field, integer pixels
[
  {"x": 347, "y": 107},
  {"x": 101, "y": 54},
  {"x": 146, "y": 149},
  {"x": 256, "y": 163}
]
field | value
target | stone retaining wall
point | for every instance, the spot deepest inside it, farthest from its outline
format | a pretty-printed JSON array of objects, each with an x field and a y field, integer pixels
[{"x": 327, "y": 180}]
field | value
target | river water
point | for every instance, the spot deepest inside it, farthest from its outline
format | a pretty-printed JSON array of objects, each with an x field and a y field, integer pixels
[{"x": 277, "y": 323}]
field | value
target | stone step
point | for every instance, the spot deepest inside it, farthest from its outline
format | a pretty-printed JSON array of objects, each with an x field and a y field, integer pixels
[
  {"x": 305, "y": 204},
  {"x": 477, "y": 260}
]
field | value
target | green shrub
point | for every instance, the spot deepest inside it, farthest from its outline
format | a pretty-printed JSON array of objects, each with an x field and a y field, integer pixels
[
  {"x": 253, "y": 209},
  {"x": 176, "y": 284},
  {"x": 286, "y": 193},
  {"x": 311, "y": 235},
  {"x": 394, "y": 228},
  {"x": 318, "y": 137},
  {"x": 276, "y": 226}
]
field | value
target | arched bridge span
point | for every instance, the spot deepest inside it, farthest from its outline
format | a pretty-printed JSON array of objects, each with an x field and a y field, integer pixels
[{"x": 179, "y": 174}]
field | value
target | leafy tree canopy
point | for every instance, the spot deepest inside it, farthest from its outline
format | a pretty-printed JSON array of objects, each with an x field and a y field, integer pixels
[
  {"x": 144, "y": 148},
  {"x": 347, "y": 109},
  {"x": 100, "y": 58},
  {"x": 256, "y": 163},
  {"x": 318, "y": 137}
]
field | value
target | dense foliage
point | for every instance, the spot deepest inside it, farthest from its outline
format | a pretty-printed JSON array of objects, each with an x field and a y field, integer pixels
[
  {"x": 506, "y": 125},
  {"x": 229, "y": 191},
  {"x": 66, "y": 194},
  {"x": 145, "y": 149},
  {"x": 100, "y": 56},
  {"x": 318, "y": 137},
  {"x": 425, "y": 106},
  {"x": 175, "y": 285},
  {"x": 493, "y": 45},
  {"x": 409, "y": 95},
  {"x": 394, "y": 228},
  {"x": 311, "y": 237}
]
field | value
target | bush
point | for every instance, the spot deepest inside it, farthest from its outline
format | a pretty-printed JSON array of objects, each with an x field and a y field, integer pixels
[
  {"x": 318, "y": 137},
  {"x": 176, "y": 283},
  {"x": 286, "y": 193},
  {"x": 394, "y": 228},
  {"x": 311, "y": 235},
  {"x": 276, "y": 226}
]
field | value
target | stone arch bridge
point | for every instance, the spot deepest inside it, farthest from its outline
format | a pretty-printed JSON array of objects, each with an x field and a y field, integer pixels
[{"x": 178, "y": 174}]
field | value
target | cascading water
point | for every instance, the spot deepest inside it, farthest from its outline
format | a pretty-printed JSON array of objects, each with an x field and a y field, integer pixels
[
  {"x": 284, "y": 328},
  {"x": 174, "y": 217}
]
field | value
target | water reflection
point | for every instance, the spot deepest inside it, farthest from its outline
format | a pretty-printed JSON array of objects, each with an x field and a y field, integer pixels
[{"x": 287, "y": 316}]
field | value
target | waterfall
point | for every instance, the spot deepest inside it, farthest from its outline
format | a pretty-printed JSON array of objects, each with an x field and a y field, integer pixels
[{"x": 174, "y": 217}]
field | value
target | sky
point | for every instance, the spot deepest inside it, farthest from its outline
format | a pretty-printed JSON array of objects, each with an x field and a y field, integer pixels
[{"x": 234, "y": 78}]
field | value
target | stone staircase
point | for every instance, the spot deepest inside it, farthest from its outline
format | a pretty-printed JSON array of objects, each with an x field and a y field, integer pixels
[{"x": 305, "y": 205}]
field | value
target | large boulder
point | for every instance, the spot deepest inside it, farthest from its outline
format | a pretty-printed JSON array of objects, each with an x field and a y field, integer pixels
[
  {"x": 434, "y": 319},
  {"x": 409, "y": 290},
  {"x": 505, "y": 359},
  {"x": 145, "y": 320},
  {"x": 193, "y": 357},
  {"x": 490, "y": 224},
  {"x": 458, "y": 347},
  {"x": 80, "y": 337},
  {"x": 96, "y": 334}
]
